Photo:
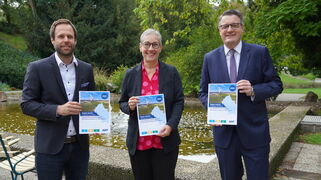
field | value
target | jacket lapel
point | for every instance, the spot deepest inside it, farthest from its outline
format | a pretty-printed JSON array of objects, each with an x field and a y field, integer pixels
[
  {"x": 56, "y": 71},
  {"x": 77, "y": 85},
  {"x": 244, "y": 60},
  {"x": 223, "y": 64},
  {"x": 162, "y": 75},
  {"x": 138, "y": 78}
]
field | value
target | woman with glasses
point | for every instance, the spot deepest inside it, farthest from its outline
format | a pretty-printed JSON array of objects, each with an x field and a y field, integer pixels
[{"x": 153, "y": 157}]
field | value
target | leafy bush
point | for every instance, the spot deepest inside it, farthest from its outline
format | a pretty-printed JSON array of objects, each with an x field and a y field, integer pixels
[
  {"x": 13, "y": 65},
  {"x": 101, "y": 79},
  {"x": 116, "y": 79},
  {"x": 4, "y": 86},
  {"x": 188, "y": 60}
]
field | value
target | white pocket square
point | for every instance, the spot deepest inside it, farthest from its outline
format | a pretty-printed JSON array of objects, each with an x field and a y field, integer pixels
[{"x": 84, "y": 84}]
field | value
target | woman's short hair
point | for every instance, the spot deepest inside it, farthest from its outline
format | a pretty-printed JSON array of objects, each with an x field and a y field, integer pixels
[{"x": 149, "y": 32}]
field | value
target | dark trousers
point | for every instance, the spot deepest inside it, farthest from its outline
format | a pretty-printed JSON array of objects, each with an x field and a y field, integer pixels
[
  {"x": 256, "y": 161},
  {"x": 71, "y": 160},
  {"x": 154, "y": 164}
]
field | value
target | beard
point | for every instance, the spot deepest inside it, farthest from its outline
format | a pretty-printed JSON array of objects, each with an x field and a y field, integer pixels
[{"x": 63, "y": 53}]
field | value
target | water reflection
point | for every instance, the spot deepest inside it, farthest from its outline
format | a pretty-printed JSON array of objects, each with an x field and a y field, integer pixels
[{"x": 195, "y": 133}]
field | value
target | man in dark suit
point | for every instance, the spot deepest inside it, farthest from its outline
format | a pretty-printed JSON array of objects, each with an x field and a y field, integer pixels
[
  {"x": 50, "y": 94},
  {"x": 250, "y": 67}
]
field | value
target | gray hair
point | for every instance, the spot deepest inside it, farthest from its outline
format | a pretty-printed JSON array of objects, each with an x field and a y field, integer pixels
[
  {"x": 229, "y": 13},
  {"x": 149, "y": 32}
]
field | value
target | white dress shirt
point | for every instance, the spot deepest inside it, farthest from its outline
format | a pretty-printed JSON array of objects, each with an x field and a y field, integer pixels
[{"x": 68, "y": 75}]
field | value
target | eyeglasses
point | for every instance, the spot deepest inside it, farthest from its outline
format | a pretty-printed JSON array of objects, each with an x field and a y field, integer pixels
[
  {"x": 226, "y": 26},
  {"x": 147, "y": 45}
]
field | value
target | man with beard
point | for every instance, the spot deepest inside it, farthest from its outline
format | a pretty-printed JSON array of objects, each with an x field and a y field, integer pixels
[{"x": 50, "y": 94}]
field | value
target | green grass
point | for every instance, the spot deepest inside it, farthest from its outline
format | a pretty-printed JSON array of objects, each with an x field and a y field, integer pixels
[
  {"x": 311, "y": 138},
  {"x": 15, "y": 41},
  {"x": 293, "y": 85},
  {"x": 287, "y": 80},
  {"x": 309, "y": 76},
  {"x": 303, "y": 91}
]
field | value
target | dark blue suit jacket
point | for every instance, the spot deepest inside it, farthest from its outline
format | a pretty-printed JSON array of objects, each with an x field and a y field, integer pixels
[
  {"x": 171, "y": 86},
  {"x": 255, "y": 66},
  {"x": 43, "y": 91}
]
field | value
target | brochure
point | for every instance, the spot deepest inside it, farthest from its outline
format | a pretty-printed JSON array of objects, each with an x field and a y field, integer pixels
[
  {"x": 151, "y": 114},
  {"x": 95, "y": 117},
  {"x": 222, "y": 104}
]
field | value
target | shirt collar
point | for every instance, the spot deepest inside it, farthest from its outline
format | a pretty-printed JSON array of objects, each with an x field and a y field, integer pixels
[
  {"x": 59, "y": 61},
  {"x": 237, "y": 48},
  {"x": 143, "y": 67}
]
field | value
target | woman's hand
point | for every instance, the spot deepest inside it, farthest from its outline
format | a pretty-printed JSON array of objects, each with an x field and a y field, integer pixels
[
  {"x": 132, "y": 102},
  {"x": 165, "y": 131}
]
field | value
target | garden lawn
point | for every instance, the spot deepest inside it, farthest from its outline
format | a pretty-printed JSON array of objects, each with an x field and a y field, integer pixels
[
  {"x": 303, "y": 91},
  {"x": 311, "y": 138},
  {"x": 15, "y": 41}
]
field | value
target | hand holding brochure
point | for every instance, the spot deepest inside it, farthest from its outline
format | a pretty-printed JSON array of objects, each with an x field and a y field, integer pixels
[
  {"x": 222, "y": 104},
  {"x": 95, "y": 116},
  {"x": 151, "y": 114}
]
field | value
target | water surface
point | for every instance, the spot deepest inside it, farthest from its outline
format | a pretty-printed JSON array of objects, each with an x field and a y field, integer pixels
[{"x": 196, "y": 135}]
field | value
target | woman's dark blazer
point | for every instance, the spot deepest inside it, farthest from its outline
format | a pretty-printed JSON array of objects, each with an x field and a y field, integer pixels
[{"x": 170, "y": 85}]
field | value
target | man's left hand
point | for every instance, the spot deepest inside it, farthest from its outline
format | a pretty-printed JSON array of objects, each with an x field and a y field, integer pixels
[{"x": 244, "y": 86}]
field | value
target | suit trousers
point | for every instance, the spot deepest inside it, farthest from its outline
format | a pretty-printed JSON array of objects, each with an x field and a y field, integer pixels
[
  {"x": 72, "y": 160},
  {"x": 154, "y": 164},
  {"x": 256, "y": 161}
]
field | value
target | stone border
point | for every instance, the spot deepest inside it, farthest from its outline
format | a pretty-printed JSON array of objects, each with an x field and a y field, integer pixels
[
  {"x": 114, "y": 163},
  {"x": 283, "y": 128}
]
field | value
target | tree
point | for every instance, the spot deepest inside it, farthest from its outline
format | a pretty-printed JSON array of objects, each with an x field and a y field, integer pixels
[
  {"x": 107, "y": 29},
  {"x": 302, "y": 19},
  {"x": 174, "y": 19}
]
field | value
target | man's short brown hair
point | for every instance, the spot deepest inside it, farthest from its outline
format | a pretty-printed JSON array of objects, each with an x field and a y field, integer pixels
[{"x": 61, "y": 21}]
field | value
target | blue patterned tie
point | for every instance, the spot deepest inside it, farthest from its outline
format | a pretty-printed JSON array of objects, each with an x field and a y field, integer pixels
[{"x": 233, "y": 72}]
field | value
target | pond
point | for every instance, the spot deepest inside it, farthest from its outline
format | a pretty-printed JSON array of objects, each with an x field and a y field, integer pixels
[{"x": 196, "y": 135}]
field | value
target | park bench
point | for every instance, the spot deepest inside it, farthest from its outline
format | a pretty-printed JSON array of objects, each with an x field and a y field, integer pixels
[
  {"x": 19, "y": 164},
  {"x": 8, "y": 141}
]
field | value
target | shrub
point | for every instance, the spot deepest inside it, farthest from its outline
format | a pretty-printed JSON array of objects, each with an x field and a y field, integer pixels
[
  {"x": 116, "y": 79},
  {"x": 13, "y": 65},
  {"x": 4, "y": 87},
  {"x": 101, "y": 79}
]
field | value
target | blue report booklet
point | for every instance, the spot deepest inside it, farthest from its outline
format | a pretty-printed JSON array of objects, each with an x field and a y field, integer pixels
[
  {"x": 95, "y": 117},
  {"x": 222, "y": 104},
  {"x": 151, "y": 114}
]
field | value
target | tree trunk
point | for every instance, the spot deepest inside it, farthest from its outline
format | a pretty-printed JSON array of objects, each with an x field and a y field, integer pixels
[{"x": 32, "y": 4}]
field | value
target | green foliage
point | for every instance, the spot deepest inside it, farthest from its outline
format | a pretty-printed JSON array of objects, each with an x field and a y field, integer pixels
[
  {"x": 107, "y": 30},
  {"x": 174, "y": 19},
  {"x": 189, "y": 60},
  {"x": 294, "y": 64},
  {"x": 303, "y": 19},
  {"x": 13, "y": 65},
  {"x": 4, "y": 87},
  {"x": 101, "y": 79},
  {"x": 16, "y": 41},
  {"x": 116, "y": 79}
]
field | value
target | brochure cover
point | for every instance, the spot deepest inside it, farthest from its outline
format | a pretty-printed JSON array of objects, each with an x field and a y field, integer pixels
[
  {"x": 95, "y": 117},
  {"x": 151, "y": 114},
  {"x": 222, "y": 104}
]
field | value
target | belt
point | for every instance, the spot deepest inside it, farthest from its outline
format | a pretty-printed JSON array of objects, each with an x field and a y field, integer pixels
[{"x": 71, "y": 139}]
